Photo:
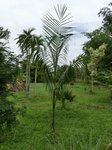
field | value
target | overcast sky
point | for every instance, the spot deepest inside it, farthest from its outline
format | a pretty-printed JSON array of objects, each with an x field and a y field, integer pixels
[{"x": 17, "y": 15}]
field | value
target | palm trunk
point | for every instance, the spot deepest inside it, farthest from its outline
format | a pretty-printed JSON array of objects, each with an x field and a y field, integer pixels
[
  {"x": 35, "y": 82},
  {"x": 54, "y": 101},
  {"x": 27, "y": 75},
  {"x": 27, "y": 88},
  {"x": 53, "y": 112}
]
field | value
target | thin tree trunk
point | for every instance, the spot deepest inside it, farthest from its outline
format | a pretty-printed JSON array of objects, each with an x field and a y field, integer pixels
[
  {"x": 53, "y": 111},
  {"x": 35, "y": 82},
  {"x": 54, "y": 101},
  {"x": 27, "y": 88},
  {"x": 28, "y": 72},
  {"x": 27, "y": 75}
]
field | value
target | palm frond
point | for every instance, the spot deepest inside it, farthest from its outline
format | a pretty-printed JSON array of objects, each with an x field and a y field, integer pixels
[
  {"x": 57, "y": 33},
  {"x": 24, "y": 40}
]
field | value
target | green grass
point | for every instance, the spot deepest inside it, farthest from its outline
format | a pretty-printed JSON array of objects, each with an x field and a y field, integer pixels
[{"x": 88, "y": 112}]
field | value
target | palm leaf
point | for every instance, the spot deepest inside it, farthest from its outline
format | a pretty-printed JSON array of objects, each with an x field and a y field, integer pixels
[{"x": 57, "y": 33}]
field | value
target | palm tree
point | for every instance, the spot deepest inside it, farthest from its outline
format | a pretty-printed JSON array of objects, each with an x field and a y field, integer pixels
[
  {"x": 38, "y": 46},
  {"x": 24, "y": 41},
  {"x": 57, "y": 32}
]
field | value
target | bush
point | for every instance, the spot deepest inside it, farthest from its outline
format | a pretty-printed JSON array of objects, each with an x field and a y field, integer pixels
[
  {"x": 7, "y": 114},
  {"x": 105, "y": 77},
  {"x": 9, "y": 69},
  {"x": 65, "y": 95}
]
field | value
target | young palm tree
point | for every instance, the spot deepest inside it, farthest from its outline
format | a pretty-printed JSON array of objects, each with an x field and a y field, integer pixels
[
  {"x": 24, "y": 41},
  {"x": 57, "y": 32}
]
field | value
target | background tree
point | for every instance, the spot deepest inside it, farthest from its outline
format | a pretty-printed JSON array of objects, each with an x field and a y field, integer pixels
[
  {"x": 95, "y": 56},
  {"x": 8, "y": 74},
  {"x": 106, "y": 13},
  {"x": 26, "y": 43},
  {"x": 96, "y": 39}
]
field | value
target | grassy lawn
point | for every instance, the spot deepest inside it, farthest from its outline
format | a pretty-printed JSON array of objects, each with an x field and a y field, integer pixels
[{"x": 88, "y": 113}]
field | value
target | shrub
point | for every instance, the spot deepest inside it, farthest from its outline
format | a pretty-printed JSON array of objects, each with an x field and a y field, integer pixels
[
  {"x": 105, "y": 77},
  {"x": 65, "y": 95},
  {"x": 8, "y": 74},
  {"x": 7, "y": 114}
]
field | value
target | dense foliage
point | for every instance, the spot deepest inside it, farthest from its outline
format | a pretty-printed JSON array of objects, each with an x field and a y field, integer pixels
[
  {"x": 95, "y": 39},
  {"x": 8, "y": 73}
]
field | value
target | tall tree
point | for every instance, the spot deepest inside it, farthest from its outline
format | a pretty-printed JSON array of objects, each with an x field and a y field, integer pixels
[
  {"x": 96, "y": 39},
  {"x": 106, "y": 13},
  {"x": 25, "y": 42},
  {"x": 57, "y": 32}
]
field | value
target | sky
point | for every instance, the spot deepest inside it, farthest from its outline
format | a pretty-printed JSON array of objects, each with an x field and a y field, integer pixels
[{"x": 17, "y": 15}]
